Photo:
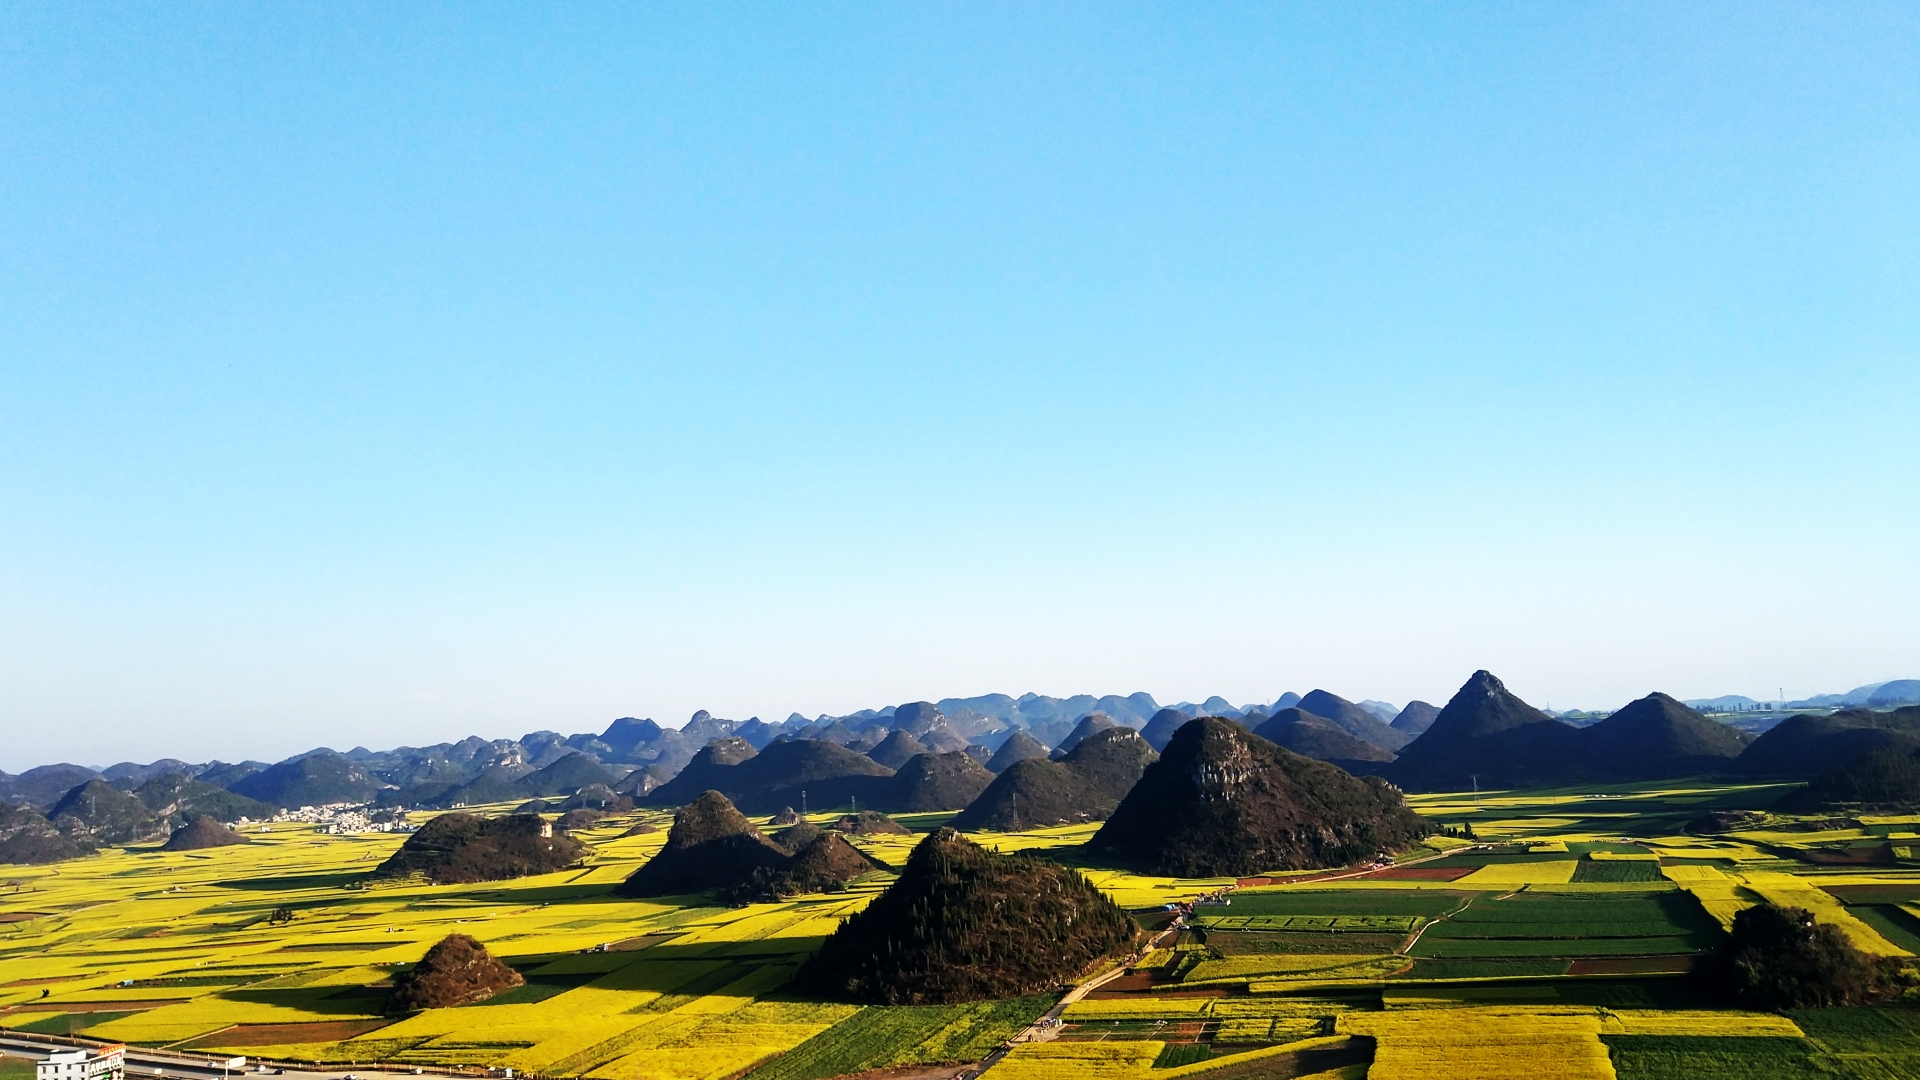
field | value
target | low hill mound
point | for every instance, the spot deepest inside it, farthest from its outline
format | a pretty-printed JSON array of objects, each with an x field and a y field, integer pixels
[
  {"x": 457, "y": 971},
  {"x": 96, "y": 812},
  {"x": 1654, "y": 738},
  {"x": 459, "y": 849},
  {"x": 1416, "y": 718},
  {"x": 314, "y": 780},
  {"x": 1161, "y": 726},
  {"x": 577, "y": 819},
  {"x": 822, "y": 864},
  {"x": 1354, "y": 720},
  {"x": 1225, "y": 802},
  {"x": 931, "y": 781},
  {"x": 28, "y": 838},
  {"x": 1486, "y": 732},
  {"x": 179, "y": 798},
  {"x": 1019, "y": 747},
  {"x": 1882, "y": 779},
  {"x": 1085, "y": 785},
  {"x": 597, "y": 797},
  {"x": 1322, "y": 740},
  {"x": 1090, "y": 725},
  {"x": 798, "y": 835},
  {"x": 711, "y": 845},
  {"x": 1806, "y": 746},
  {"x": 897, "y": 749},
  {"x": 201, "y": 833},
  {"x": 965, "y": 924},
  {"x": 869, "y": 823},
  {"x": 828, "y": 773}
]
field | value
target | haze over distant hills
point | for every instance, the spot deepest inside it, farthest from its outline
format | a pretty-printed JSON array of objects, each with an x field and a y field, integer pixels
[{"x": 1003, "y": 761}]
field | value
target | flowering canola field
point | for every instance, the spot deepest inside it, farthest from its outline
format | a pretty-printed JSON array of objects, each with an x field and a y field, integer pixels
[{"x": 1524, "y": 952}]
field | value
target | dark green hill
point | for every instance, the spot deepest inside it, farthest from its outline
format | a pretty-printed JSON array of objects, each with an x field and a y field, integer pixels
[
  {"x": 1090, "y": 725},
  {"x": 1354, "y": 720},
  {"x": 964, "y": 924},
  {"x": 1321, "y": 739},
  {"x": 928, "y": 782},
  {"x": 897, "y": 749},
  {"x": 1159, "y": 730},
  {"x": 1018, "y": 747},
  {"x": 1085, "y": 785},
  {"x": 822, "y": 864},
  {"x": 1806, "y": 746},
  {"x": 98, "y": 813},
  {"x": 458, "y": 849},
  {"x": 178, "y": 799},
  {"x": 201, "y": 833},
  {"x": 1656, "y": 738},
  {"x": 1882, "y": 779},
  {"x": 1223, "y": 801},
  {"x": 27, "y": 837},
  {"x": 830, "y": 775},
  {"x": 1488, "y": 733},
  {"x": 317, "y": 779},
  {"x": 711, "y": 845}
]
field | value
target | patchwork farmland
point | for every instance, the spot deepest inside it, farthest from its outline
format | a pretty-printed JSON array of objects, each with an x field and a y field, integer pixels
[{"x": 1553, "y": 943}]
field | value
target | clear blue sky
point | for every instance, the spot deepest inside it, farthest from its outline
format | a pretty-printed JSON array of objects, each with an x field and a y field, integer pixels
[{"x": 389, "y": 373}]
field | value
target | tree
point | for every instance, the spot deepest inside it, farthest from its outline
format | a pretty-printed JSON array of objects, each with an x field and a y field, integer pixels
[{"x": 1781, "y": 958}]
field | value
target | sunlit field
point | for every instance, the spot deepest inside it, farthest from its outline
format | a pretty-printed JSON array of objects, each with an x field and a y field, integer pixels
[{"x": 1553, "y": 943}]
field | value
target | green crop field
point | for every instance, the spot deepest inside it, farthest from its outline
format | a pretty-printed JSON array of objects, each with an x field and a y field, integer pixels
[{"x": 1556, "y": 947}]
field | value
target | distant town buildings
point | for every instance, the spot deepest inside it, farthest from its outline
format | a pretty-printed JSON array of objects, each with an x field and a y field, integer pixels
[{"x": 335, "y": 819}]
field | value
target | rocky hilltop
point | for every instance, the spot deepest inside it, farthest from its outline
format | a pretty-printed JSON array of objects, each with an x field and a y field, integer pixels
[
  {"x": 1223, "y": 801},
  {"x": 965, "y": 924}
]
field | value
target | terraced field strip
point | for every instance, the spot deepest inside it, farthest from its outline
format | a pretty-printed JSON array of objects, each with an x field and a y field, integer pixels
[
  {"x": 1483, "y": 1044},
  {"x": 1331, "y": 923},
  {"x": 1790, "y": 891}
]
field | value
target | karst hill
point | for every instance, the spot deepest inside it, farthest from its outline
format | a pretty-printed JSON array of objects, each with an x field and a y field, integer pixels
[
  {"x": 1223, "y": 801},
  {"x": 713, "y": 847},
  {"x": 1085, "y": 785},
  {"x": 459, "y": 849},
  {"x": 962, "y": 923},
  {"x": 201, "y": 833}
]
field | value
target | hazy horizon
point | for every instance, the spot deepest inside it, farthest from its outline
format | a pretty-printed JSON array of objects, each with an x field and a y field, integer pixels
[{"x": 380, "y": 375}]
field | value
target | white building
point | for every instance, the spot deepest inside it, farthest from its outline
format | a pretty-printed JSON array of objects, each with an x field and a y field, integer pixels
[{"x": 104, "y": 1063}]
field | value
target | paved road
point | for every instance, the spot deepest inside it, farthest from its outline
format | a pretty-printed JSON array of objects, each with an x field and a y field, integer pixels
[
  {"x": 1044, "y": 1029},
  {"x": 143, "y": 1063}
]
